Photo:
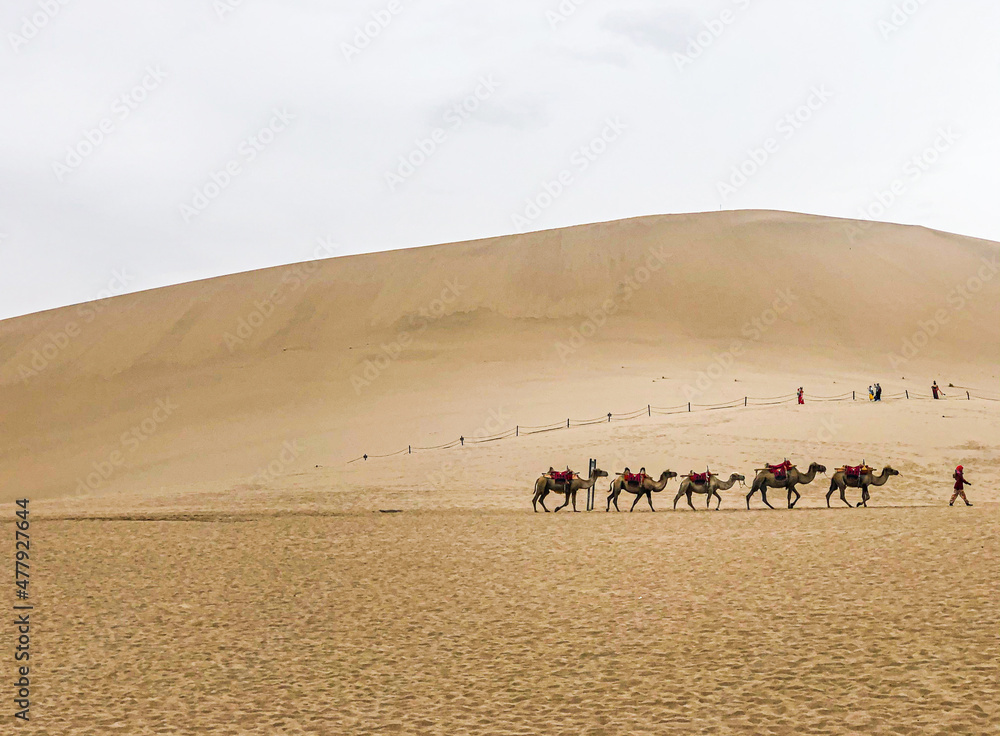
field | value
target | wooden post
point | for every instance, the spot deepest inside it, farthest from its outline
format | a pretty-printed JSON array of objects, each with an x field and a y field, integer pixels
[
  {"x": 567, "y": 423},
  {"x": 649, "y": 410},
  {"x": 590, "y": 491},
  {"x": 517, "y": 430},
  {"x": 409, "y": 450},
  {"x": 907, "y": 393},
  {"x": 969, "y": 398},
  {"x": 689, "y": 406},
  {"x": 745, "y": 398},
  {"x": 853, "y": 397}
]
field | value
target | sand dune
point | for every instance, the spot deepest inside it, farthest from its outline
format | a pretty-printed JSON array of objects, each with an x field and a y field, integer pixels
[
  {"x": 215, "y": 380},
  {"x": 209, "y": 562}
]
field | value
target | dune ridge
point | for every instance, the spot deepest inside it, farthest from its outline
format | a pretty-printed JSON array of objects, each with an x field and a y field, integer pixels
[{"x": 333, "y": 354}]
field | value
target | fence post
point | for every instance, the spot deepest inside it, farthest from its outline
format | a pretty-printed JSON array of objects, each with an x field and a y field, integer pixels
[
  {"x": 567, "y": 423},
  {"x": 853, "y": 397},
  {"x": 745, "y": 400},
  {"x": 590, "y": 491},
  {"x": 409, "y": 450},
  {"x": 969, "y": 398},
  {"x": 649, "y": 410},
  {"x": 907, "y": 393},
  {"x": 689, "y": 406},
  {"x": 517, "y": 430}
]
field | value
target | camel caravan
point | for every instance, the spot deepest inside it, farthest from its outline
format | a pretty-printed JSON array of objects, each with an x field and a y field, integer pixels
[{"x": 784, "y": 476}]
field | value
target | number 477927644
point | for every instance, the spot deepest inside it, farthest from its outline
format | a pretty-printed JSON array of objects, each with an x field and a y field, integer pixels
[{"x": 22, "y": 545}]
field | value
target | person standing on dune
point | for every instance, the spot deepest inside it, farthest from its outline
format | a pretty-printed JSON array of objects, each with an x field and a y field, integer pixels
[
  {"x": 960, "y": 483},
  {"x": 878, "y": 392},
  {"x": 935, "y": 390},
  {"x": 799, "y": 393}
]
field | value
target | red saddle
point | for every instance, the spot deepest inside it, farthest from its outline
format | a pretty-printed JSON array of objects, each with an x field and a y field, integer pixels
[
  {"x": 781, "y": 470},
  {"x": 634, "y": 477},
  {"x": 854, "y": 471},
  {"x": 699, "y": 477},
  {"x": 564, "y": 475}
]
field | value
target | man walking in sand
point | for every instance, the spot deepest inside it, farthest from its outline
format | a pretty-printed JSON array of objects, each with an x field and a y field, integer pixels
[
  {"x": 799, "y": 394},
  {"x": 960, "y": 483},
  {"x": 935, "y": 390},
  {"x": 878, "y": 392}
]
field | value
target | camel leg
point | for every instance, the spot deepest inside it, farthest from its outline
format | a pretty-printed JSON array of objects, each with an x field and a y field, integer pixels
[
  {"x": 689, "y": 495},
  {"x": 763, "y": 496},
  {"x": 864, "y": 497},
  {"x": 638, "y": 496},
  {"x": 565, "y": 503},
  {"x": 843, "y": 497},
  {"x": 791, "y": 503},
  {"x": 830, "y": 493},
  {"x": 716, "y": 494},
  {"x": 749, "y": 496},
  {"x": 574, "y": 503},
  {"x": 649, "y": 498},
  {"x": 541, "y": 500},
  {"x": 677, "y": 498}
]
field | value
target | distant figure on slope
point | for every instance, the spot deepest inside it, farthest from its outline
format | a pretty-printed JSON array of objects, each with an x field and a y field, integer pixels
[
  {"x": 878, "y": 392},
  {"x": 936, "y": 391},
  {"x": 799, "y": 394},
  {"x": 960, "y": 483},
  {"x": 871, "y": 393}
]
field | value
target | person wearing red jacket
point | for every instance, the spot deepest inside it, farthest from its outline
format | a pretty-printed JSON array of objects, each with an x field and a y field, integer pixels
[{"x": 960, "y": 483}]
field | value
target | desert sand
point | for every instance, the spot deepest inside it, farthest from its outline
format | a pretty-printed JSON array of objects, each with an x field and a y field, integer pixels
[{"x": 212, "y": 556}]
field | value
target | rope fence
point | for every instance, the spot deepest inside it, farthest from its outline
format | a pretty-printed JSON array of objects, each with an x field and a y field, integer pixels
[{"x": 649, "y": 410}]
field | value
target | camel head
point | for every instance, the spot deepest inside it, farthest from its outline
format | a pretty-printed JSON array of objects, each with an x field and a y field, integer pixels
[
  {"x": 737, "y": 476},
  {"x": 890, "y": 471},
  {"x": 598, "y": 473},
  {"x": 667, "y": 475},
  {"x": 817, "y": 467}
]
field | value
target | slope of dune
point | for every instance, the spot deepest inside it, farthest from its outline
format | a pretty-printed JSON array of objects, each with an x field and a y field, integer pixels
[{"x": 215, "y": 382}]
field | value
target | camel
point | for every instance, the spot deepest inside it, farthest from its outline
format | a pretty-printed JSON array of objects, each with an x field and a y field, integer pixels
[
  {"x": 647, "y": 488},
  {"x": 544, "y": 485},
  {"x": 711, "y": 488},
  {"x": 765, "y": 479},
  {"x": 841, "y": 481}
]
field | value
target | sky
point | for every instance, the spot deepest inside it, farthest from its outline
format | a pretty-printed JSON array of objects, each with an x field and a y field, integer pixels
[{"x": 145, "y": 144}]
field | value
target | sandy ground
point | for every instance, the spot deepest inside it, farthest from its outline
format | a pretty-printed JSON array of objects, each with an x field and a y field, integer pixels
[
  {"x": 505, "y": 622},
  {"x": 207, "y": 560}
]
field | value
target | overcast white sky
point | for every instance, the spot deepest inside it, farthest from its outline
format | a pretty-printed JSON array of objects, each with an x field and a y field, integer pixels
[{"x": 883, "y": 95}]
